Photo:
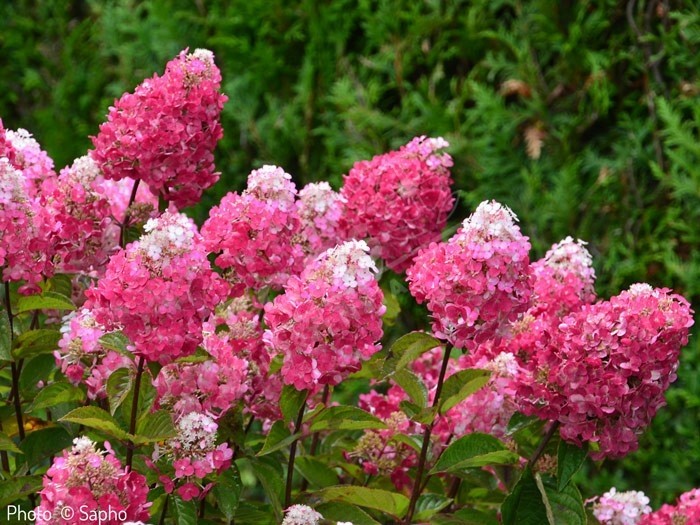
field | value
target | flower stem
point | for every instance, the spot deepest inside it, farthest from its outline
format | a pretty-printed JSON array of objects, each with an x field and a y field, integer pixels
[
  {"x": 316, "y": 436},
  {"x": 543, "y": 444},
  {"x": 417, "y": 484},
  {"x": 292, "y": 455},
  {"x": 13, "y": 367},
  {"x": 125, "y": 223},
  {"x": 164, "y": 511},
  {"x": 134, "y": 411}
]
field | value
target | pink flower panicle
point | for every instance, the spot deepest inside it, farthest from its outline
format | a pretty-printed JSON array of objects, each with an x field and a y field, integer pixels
[
  {"x": 26, "y": 229},
  {"x": 83, "y": 359},
  {"x": 478, "y": 282},
  {"x": 329, "y": 319},
  {"x": 194, "y": 454},
  {"x": 685, "y": 512},
  {"x": 91, "y": 479},
  {"x": 301, "y": 515},
  {"x": 166, "y": 131},
  {"x": 159, "y": 290},
  {"x": 621, "y": 508},
  {"x": 603, "y": 371},
  {"x": 257, "y": 234},
  {"x": 320, "y": 209},
  {"x": 399, "y": 201},
  {"x": 25, "y": 154}
]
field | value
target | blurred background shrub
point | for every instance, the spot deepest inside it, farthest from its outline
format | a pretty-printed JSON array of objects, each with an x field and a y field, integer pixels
[{"x": 583, "y": 116}]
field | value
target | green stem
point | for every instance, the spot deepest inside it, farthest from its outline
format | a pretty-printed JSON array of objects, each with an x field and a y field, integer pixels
[
  {"x": 15, "y": 371},
  {"x": 417, "y": 484},
  {"x": 134, "y": 411},
  {"x": 125, "y": 223},
  {"x": 292, "y": 456},
  {"x": 162, "y": 512},
  {"x": 543, "y": 444}
]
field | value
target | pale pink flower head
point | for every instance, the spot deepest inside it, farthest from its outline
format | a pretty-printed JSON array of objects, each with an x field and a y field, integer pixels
[
  {"x": 320, "y": 209},
  {"x": 26, "y": 231},
  {"x": 301, "y": 515},
  {"x": 603, "y": 370},
  {"x": 257, "y": 234},
  {"x": 621, "y": 508},
  {"x": 399, "y": 201},
  {"x": 26, "y": 155},
  {"x": 563, "y": 279},
  {"x": 479, "y": 281},
  {"x": 166, "y": 131},
  {"x": 159, "y": 290},
  {"x": 88, "y": 478},
  {"x": 685, "y": 512},
  {"x": 329, "y": 319}
]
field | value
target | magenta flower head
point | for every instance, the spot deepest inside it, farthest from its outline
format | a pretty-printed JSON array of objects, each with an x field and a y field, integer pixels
[
  {"x": 478, "y": 282},
  {"x": 685, "y": 512},
  {"x": 26, "y": 230},
  {"x": 159, "y": 290},
  {"x": 329, "y": 319},
  {"x": 257, "y": 234},
  {"x": 166, "y": 131},
  {"x": 603, "y": 371},
  {"x": 92, "y": 480},
  {"x": 399, "y": 201}
]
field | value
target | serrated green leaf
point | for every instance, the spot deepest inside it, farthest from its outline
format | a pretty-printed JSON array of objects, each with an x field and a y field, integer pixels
[
  {"x": 412, "y": 385},
  {"x": 474, "y": 451},
  {"x": 407, "y": 349},
  {"x": 158, "y": 426},
  {"x": 44, "y": 442},
  {"x": 119, "y": 384},
  {"x": 519, "y": 421},
  {"x": 7, "y": 444},
  {"x": 118, "y": 342},
  {"x": 461, "y": 385},
  {"x": 185, "y": 511},
  {"x": 269, "y": 474},
  {"x": 476, "y": 517},
  {"x": 5, "y": 337},
  {"x": 317, "y": 473},
  {"x": 17, "y": 488},
  {"x": 430, "y": 504},
  {"x": 35, "y": 342},
  {"x": 390, "y": 503},
  {"x": 278, "y": 437},
  {"x": 291, "y": 401},
  {"x": 94, "y": 417},
  {"x": 338, "y": 511},
  {"x": 59, "y": 283},
  {"x": 200, "y": 356},
  {"x": 228, "y": 491},
  {"x": 56, "y": 393},
  {"x": 345, "y": 418},
  {"x": 570, "y": 458},
  {"x": 564, "y": 507},
  {"x": 524, "y": 505},
  {"x": 45, "y": 301}
]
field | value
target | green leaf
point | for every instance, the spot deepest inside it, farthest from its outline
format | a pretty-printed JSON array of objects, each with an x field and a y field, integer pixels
[
  {"x": 200, "y": 356},
  {"x": 565, "y": 506},
  {"x": 430, "y": 504},
  {"x": 476, "y": 517},
  {"x": 338, "y": 511},
  {"x": 118, "y": 342},
  {"x": 278, "y": 437},
  {"x": 570, "y": 458},
  {"x": 7, "y": 444},
  {"x": 228, "y": 491},
  {"x": 524, "y": 505},
  {"x": 254, "y": 513},
  {"x": 5, "y": 337},
  {"x": 45, "y": 442},
  {"x": 291, "y": 401},
  {"x": 345, "y": 418},
  {"x": 520, "y": 421},
  {"x": 317, "y": 473},
  {"x": 413, "y": 386},
  {"x": 158, "y": 426},
  {"x": 59, "y": 283},
  {"x": 35, "y": 342},
  {"x": 17, "y": 488},
  {"x": 269, "y": 473},
  {"x": 94, "y": 417},
  {"x": 461, "y": 385},
  {"x": 390, "y": 503},
  {"x": 185, "y": 511},
  {"x": 55, "y": 394},
  {"x": 407, "y": 349},
  {"x": 45, "y": 301},
  {"x": 474, "y": 451},
  {"x": 147, "y": 396},
  {"x": 119, "y": 384}
]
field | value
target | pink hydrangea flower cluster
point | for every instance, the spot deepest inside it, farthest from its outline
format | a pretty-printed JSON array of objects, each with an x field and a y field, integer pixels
[
  {"x": 25, "y": 154},
  {"x": 603, "y": 371},
  {"x": 399, "y": 201},
  {"x": 329, "y": 319},
  {"x": 301, "y": 515},
  {"x": 26, "y": 230},
  {"x": 621, "y": 508},
  {"x": 83, "y": 359},
  {"x": 159, "y": 290},
  {"x": 166, "y": 131},
  {"x": 478, "y": 282},
  {"x": 194, "y": 454},
  {"x": 92, "y": 480},
  {"x": 685, "y": 512},
  {"x": 257, "y": 234},
  {"x": 320, "y": 209}
]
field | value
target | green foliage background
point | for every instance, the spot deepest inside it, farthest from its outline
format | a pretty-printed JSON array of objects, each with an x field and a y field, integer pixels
[{"x": 606, "y": 90}]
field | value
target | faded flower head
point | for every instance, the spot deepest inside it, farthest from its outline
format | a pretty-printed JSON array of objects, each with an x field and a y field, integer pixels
[
  {"x": 301, "y": 515},
  {"x": 621, "y": 508}
]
